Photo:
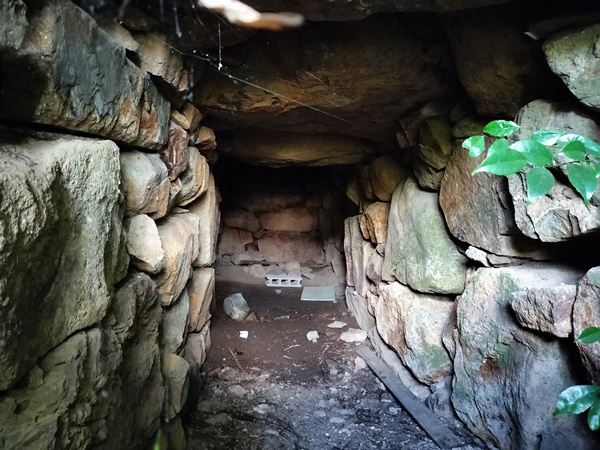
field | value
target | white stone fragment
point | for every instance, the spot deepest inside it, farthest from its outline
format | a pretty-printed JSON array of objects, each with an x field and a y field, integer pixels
[
  {"x": 353, "y": 335},
  {"x": 359, "y": 364},
  {"x": 312, "y": 336},
  {"x": 337, "y": 324}
]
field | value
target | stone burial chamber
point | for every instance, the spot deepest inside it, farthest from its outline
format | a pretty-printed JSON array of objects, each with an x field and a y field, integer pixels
[
  {"x": 145, "y": 143},
  {"x": 274, "y": 216}
]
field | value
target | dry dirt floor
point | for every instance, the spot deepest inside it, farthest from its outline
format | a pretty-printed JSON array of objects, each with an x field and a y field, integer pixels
[{"x": 277, "y": 390}]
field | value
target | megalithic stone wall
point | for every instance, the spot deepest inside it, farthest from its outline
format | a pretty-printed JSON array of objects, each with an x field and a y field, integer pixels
[
  {"x": 95, "y": 315},
  {"x": 497, "y": 355}
]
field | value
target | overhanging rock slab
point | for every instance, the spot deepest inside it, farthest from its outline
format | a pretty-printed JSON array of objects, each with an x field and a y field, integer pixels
[{"x": 84, "y": 84}]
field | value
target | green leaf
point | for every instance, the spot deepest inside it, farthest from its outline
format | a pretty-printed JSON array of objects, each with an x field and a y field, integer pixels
[
  {"x": 566, "y": 138},
  {"x": 574, "y": 150},
  {"x": 596, "y": 166},
  {"x": 475, "y": 145},
  {"x": 576, "y": 399},
  {"x": 537, "y": 154},
  {"x": 498, "y": 145},
  {"x": 539, "y": 182},
  {"x": 546, "y": 137},
  {"x": 500, "y": 128},
  {"x": 589, "y": 335},
  {"x": 594, "y": 416},
  {"x": 591, "y": 147},
  {"x": 583, "y": 179},
  {"x": 502, "y": 162}
]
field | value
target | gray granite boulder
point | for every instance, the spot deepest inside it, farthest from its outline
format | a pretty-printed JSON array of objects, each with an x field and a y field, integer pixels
[
  {"x": 507, "y": 379},
  {"x": 418, "y": 250},
  {"x": 572, "y": 55},
  {"x": 62, "y": 246},
  {"x": 412, "y": 324},
  {"x": 100, "y": 388}
]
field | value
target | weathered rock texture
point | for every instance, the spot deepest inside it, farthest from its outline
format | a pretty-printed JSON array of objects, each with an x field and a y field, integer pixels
[
  {"x": 81, "y": 339},
  {"x": 572, "y": 55},
  {"x": 514, "y": 375},
  {"x": 586, "y": 314},
  {"x": 177, "y": 236},
  {"x": 412, "y": 324},
  {"x": 559, "y": 215},
  {"x": 499, "y": 67},
  {"x": 202, "y": 297},
  {"x": 206, "y": 209},
  {"x": 157, "y": 57},
  {"x": 145, "y": 184},
  {"x": 546, "y": 309},
  {"x": 107, "y": 95},
  {"x": 282, "y": 149},
  {"x": 358, "y": 252},
  {"x": 194, "y": 180},
  {"x": 433, "y": 152},
  {"x": 373, "y": 222},
  {"x": 282, "y": 215},
  {"x": 418, "y": 250},
  {"x": 93, "y": 358},
  {"x": 97, "y": 385},
  {"x": 143, "y": 244},
  {"x": 61, "y": 244},
  {"x": 380, "y": 178},
  {"x": 478, "y": 209},
  {"x": 12, "y": 28}
]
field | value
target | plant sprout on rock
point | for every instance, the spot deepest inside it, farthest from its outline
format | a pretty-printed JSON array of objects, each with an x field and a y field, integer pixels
[
  {"x": 547, "y": 150},
  {"x": 544, "y": 150},
  {"x": 578, "y": 399}
]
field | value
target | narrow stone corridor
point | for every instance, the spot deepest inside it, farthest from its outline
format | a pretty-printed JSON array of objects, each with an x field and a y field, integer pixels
[
  {"x": 158, "y": 156},
  {"x": 278, "y": 390}
]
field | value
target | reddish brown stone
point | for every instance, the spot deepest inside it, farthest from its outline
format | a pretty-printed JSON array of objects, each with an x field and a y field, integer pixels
[
  {"x": 176, "y": 155},
  {"x": 205, "y": 140}
]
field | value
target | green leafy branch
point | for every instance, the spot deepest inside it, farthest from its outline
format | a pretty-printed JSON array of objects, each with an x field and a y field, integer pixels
[
  {"x": 578, "y": 399},
  {"x": 544, "y": 150}
]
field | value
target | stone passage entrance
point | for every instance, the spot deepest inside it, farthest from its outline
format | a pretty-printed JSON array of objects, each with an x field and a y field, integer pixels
[{"x": 274, "y": 216}]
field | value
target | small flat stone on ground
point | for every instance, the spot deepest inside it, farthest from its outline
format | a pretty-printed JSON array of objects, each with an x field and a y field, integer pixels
[{"x": 318, "y": 294}]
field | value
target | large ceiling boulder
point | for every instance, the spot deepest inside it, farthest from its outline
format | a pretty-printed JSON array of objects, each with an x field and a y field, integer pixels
[
  {"x": 498, "y": 65},
  {"x": 277, "y": 149},
  {"x": 359, "y": 9},
  {"x": 355, "y": 78}
]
